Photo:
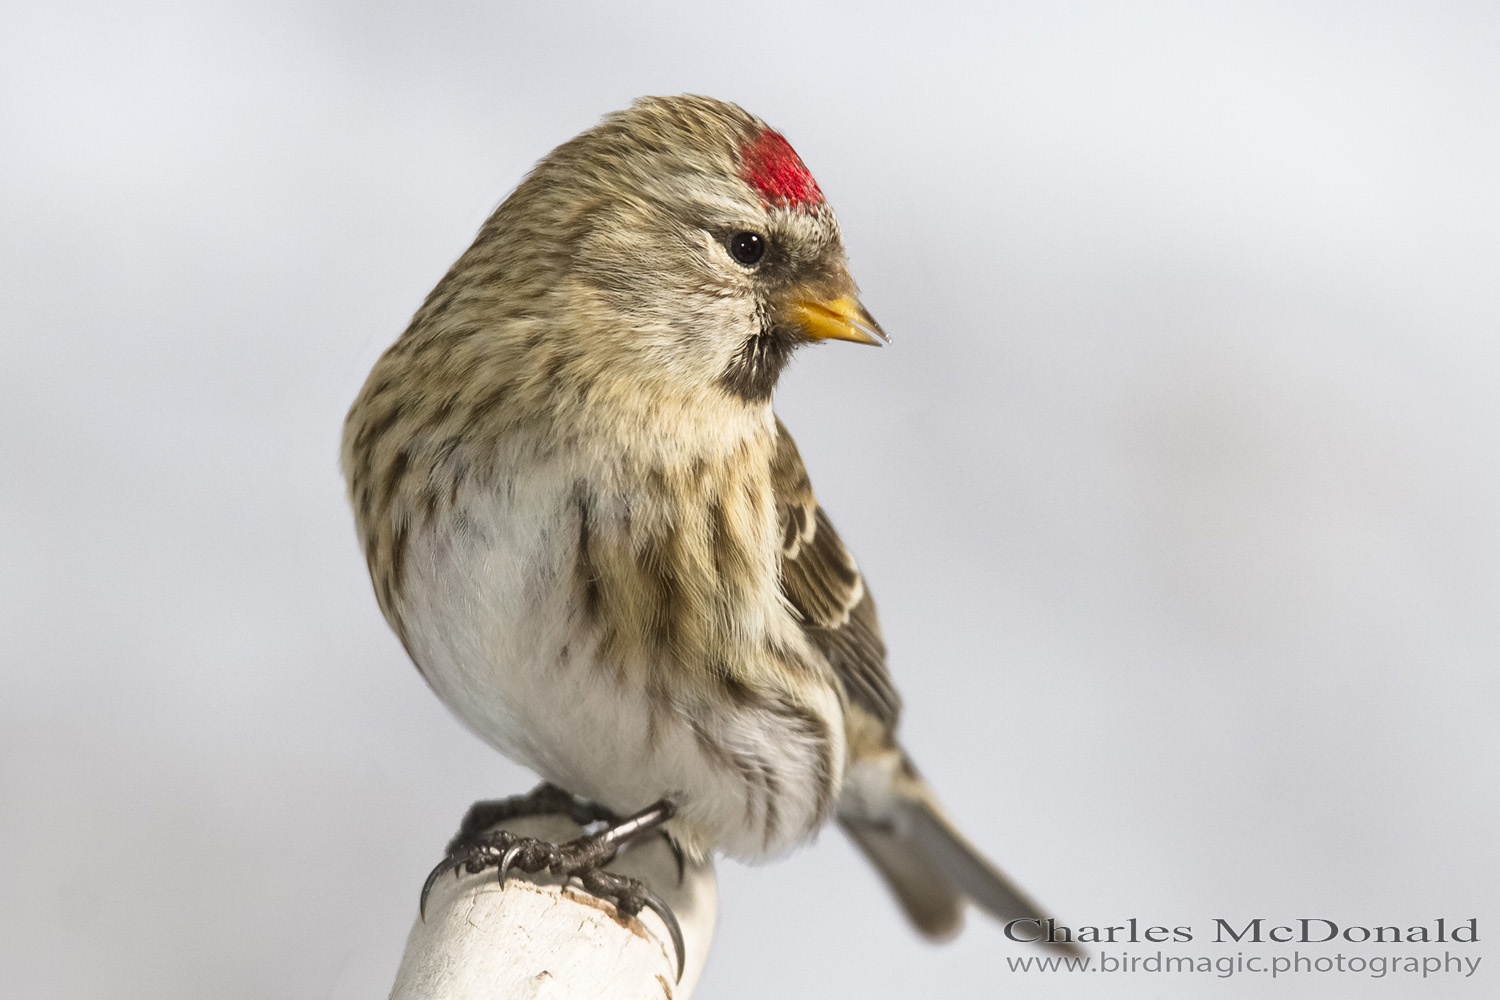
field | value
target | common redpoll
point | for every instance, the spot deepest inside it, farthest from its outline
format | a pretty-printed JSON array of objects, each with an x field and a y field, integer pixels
[{"x": 599, "y": 544}]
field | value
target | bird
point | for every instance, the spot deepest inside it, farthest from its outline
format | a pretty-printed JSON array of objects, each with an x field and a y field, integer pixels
[{"x": 601, "y": 547}]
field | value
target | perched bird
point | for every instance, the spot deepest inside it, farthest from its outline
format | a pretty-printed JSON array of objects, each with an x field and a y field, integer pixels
[{"x": 599, "y": 544}]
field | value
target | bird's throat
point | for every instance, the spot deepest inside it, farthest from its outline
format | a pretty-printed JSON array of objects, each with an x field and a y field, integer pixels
[{"x": 752, "y": 373}]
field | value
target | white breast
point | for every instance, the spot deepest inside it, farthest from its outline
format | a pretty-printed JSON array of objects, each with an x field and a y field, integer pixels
[{"x": 494, "y": 620}]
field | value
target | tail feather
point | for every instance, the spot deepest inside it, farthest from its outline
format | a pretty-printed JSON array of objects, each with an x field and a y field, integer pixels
[
  {"x": 923, "y": 889},
  {"x": 932, "y": 868}
]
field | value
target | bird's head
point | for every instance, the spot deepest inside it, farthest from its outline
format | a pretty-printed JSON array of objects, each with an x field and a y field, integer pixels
[{"x": 680, "y": 242}]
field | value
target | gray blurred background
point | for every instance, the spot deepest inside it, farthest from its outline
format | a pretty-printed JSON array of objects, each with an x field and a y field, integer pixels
[{"x": 1178, "y": 486}]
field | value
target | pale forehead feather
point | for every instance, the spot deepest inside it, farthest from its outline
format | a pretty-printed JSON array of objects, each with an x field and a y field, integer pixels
[{"x": 663, "y": 144}]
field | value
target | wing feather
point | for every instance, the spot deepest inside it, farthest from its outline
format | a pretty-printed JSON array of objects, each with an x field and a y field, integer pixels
[{"x": 821, "y": 581}]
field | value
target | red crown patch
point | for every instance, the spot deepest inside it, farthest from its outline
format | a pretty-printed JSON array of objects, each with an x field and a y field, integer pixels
[{"x": 769, "y": 164}]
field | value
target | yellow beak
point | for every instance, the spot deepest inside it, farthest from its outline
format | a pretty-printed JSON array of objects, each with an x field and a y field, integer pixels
[{"x": 838, "y": 319}]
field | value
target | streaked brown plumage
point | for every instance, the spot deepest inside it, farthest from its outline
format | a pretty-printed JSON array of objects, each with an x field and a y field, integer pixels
[{"x": 598, "y": 543}]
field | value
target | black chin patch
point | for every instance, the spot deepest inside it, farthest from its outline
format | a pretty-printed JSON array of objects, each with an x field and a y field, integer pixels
[{"x": 755, "y": 367}]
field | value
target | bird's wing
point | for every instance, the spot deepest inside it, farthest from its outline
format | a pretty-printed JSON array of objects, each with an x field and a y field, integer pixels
[
  {"x": 820, "y": 579},
  {"x": 927, "y": 863}
]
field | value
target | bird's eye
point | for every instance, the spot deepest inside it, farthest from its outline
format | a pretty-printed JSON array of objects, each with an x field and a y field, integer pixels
[{"x": 747, "y": 248}]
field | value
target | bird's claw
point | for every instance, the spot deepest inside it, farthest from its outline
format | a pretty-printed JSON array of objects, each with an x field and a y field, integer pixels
[
  {"x": 442, "y": 866},
  {"x": 508, "y": 859},
  {"x": 630, "y": 896},
  {"x": 658, "y": 906},
  {"x": 473, "y": 850}
]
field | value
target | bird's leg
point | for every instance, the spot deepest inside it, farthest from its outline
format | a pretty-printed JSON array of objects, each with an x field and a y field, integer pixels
[
  {"x": 545, "y": 799},
  {"x": 477, "y": 846}
]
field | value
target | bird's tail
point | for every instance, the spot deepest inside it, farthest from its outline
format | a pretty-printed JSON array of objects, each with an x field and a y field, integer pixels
[{"x": 928, "y": 864}]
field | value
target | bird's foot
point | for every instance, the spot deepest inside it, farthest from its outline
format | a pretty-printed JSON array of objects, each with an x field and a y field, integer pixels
[
  {"x": 545, "y": 799},
  {"x": 478, "y": 846}
]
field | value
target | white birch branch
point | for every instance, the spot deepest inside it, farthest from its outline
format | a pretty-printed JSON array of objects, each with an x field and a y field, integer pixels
[{"x": 536, "y": 938}]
